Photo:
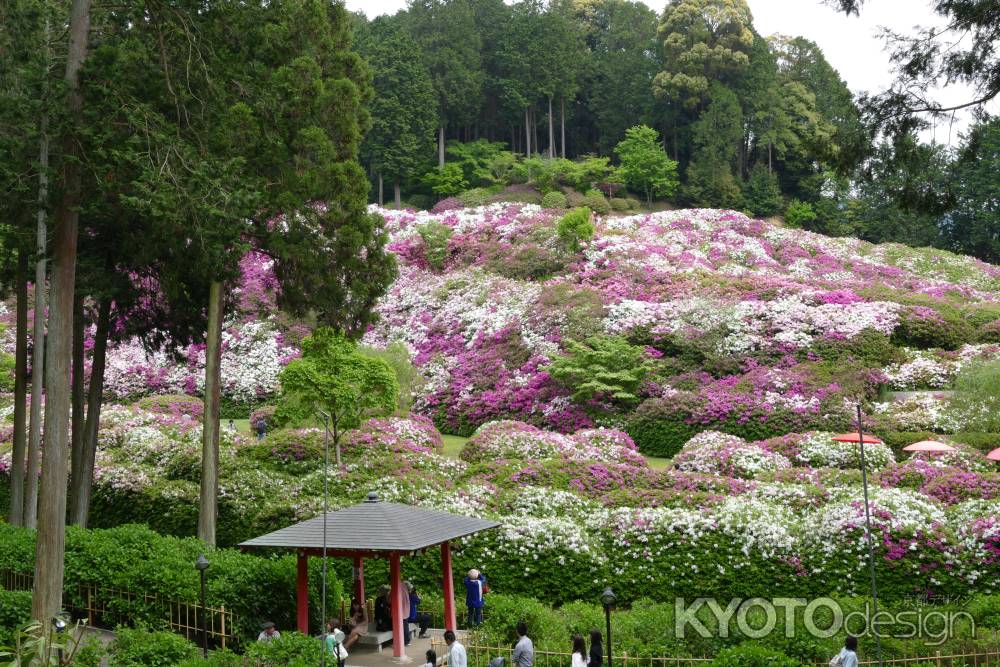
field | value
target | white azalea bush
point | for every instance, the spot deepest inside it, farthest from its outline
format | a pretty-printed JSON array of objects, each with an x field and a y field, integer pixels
[
  {"x": 712, "y": 452},
  {"x": 510, "y": 439},
  {"x": 817, "y": 449}
]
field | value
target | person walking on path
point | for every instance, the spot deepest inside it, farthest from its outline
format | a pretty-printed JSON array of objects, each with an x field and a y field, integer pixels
[
  {"x": 456, "y": 652},
  {"x": 524, "y": 649},
  {"x": 579, "y": 658},
  {"x": 261, "y": 429},
  {"x": 848, "y": 656},
  {"x": 475, "y": 589},
  {"x": 596, "y": 649}
]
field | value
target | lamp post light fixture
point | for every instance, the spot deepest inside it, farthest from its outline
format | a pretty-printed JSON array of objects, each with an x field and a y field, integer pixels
[
  {"x": 202, "y": 565},
  {"x": 862, "y": 438},
  {"x": 59, "y": 624},
  {"x": 608, "y": 600}
]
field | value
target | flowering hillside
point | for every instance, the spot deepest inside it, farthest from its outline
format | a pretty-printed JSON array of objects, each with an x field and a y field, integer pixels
[{"x": 755, "y": 329}]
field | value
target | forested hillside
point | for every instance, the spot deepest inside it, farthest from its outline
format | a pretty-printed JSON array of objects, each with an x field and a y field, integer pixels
[{"x": 760, "y": 123}]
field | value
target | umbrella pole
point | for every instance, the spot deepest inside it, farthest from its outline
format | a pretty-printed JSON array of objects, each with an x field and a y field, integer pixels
[{"x": 868, "y": 538}]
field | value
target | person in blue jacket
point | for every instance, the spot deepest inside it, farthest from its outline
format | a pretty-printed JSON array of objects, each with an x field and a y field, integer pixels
[{"x": 475, "y": 590}]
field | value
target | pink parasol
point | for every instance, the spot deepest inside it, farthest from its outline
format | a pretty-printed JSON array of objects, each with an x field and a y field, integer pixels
[{"x": 928, "y": 446}]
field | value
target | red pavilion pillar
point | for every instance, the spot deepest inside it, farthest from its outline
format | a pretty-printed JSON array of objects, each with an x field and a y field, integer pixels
[
  {"x": 448, "y": 587},
  {"x": 359, "y": 579},
  {"x": 302, "y": 593},
  {"x": 396, "y": 595}
]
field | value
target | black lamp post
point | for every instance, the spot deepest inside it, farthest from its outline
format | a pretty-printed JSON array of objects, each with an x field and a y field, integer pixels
[
  {"x": 608, "y": 600},
  {"x": 202, "y": 565},
  {"x": 59, "y": 625}
]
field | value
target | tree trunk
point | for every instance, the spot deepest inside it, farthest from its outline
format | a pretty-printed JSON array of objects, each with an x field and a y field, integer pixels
[
  {"x": 769, "y": 171},
  {"x": 534, "y": 132},
  {"x": 552, "y": 132},
  {"x": 46, "y": 598},
  {"x": 20, "y": 392},
  {"x": 84, "y": 479},
  {"x": 562, "y": 125},
  {"x": 398, "y": 194},
  {"x": 527, "y": 134},
  {"x": 441, "y": 147},
  {"x": 38, "y": 336},
  {"x": 381, "y": 200},
  {"x": 210, "y": 427},
  {"x": 77, "y": 389}
]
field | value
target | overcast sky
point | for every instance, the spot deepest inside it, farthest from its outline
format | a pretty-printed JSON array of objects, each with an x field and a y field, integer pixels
[{"x": 851, "y": 44}]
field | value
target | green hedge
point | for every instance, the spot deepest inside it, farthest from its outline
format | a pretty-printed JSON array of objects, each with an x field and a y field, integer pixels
[
  {"x": 141, "y": 648},
  {"x": 15, "y": 612},
  {"x": 134, "y": 558},
  {"x": 658, "y": 428}
]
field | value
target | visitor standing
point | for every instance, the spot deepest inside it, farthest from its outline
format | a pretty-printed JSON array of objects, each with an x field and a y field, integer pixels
[
  {"x": 261, "y": 429},
  {"x": 405, "y": 603},
  {"x": 579, "y": 658},
  {"x": 268, "y": 632},
  {"x": 383, "y": 619},
  {"x": 475, "y": 590},
  {"x": 524, "y": 650},
  {"x": 422, "y": 620},
  {"x": 596, "y": 649},
  {"x": 334, "y": 641},
  {"x": 456, "y": 652},
  {"x": 848, "y": 656}
]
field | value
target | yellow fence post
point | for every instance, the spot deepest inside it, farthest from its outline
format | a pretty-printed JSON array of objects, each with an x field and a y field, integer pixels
[{"x": 223, "y": 610}]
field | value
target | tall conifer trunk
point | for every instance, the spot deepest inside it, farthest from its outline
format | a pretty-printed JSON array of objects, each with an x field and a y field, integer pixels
[
  {"x": 20, "y": 391},
  {"x": 38, "y": 332},
  {"x": 381, "y": 199},
  {"x": 398, "y": 194},
  {"x": 84, "y": 479},
  {"x": 527, "y": 134},
  {"x": 50, "y": 542},
  {"x": 210, "y": 428},
  {"x": 441, "y": 147},
  {"x": 77, "y": 389},
  {"x": 562, "y": 125},
  {"x": 552, "y": 132}
]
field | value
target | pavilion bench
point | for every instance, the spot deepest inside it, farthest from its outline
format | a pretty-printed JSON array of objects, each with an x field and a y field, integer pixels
[{"x": 375, "y": 638}]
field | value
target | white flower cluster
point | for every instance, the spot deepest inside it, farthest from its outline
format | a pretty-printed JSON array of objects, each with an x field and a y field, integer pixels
[
  {"x": 818, "y": 450},
  {"x": 714, "y": 453}
]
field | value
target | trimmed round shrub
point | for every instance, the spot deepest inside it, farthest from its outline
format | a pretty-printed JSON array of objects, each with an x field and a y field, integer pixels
[
  {"x": 597, "y": 202},
  {"x": 659, "y": 428},
  {"x": 926, "y": 328},
  {"x": 291, "y": 649},
  {"x": 419, "y": 202},
  {"x": 554, "y": 199},
  {"x": 177, "y": 405},
  {"x": 447, "y": 204},
  {"x": 619, "y": 204},
  {"x": 633, "y": 203},
  {"x": 289, "y": 446},
  {"x": 476, "y": 197},
  {"x": 990, "y": 332}
]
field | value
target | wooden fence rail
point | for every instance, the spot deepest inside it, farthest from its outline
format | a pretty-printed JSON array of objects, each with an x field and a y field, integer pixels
[
  {"x": 106, "y": 607},
  {"x": 480, "y": 655}
]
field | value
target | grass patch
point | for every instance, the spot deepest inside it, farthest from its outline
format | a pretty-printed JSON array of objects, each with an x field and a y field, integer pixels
[{"x": 453, "y": 445}]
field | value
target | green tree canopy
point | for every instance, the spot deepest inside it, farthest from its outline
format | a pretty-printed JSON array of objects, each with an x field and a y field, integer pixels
[
  {"x": 603, "y": 368},
  {"x": 645, "y": 167},
  {"x": 334, "y": 379}
]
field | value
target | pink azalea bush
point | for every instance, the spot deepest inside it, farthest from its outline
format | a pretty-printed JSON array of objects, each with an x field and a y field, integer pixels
[{"x": 518, "y": 440}]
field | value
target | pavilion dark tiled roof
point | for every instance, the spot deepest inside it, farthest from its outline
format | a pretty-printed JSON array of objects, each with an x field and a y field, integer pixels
[{"x": 374, "y": 526}]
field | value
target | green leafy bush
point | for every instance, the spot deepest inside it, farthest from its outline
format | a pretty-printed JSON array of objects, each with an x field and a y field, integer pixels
[
  {"x": 633, "y": 203},
  {"x": 659, "y": 427},
  {"x": 477, "y": 197},
  {"x": 645, "y": 166},
  {"x": 477, "y": 160},
  {"x": 289, "y": 446},
  {"x": 6, "y": 372},
  {"x": 446, "y": 181},
  {"x": 976, "y": 400},
  {"x": 135, "y": 558},
  {"x": 554, "y": 199},
  {"x": 575, "y": 228},
  {"x": 138, "y": 647},
  {"x": 15, "y": 612},
  {"x": 799, "y": 214},
  {"x": 597, "y": 202},
  {"x": 928, "y": 328},
  {"x": 752, "y": 655},
  {"x": 435, "y": 237},
  {"x": 619, "y": 204},
  {"x": 291, "y": 649},
  {"x": 584, "y": 174},
  {"x": 984, "y": 442},
  {"x": 896, "y": 440},
  {"x": 761, "y": 193},
  {"x": 602, "y": 368}
]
